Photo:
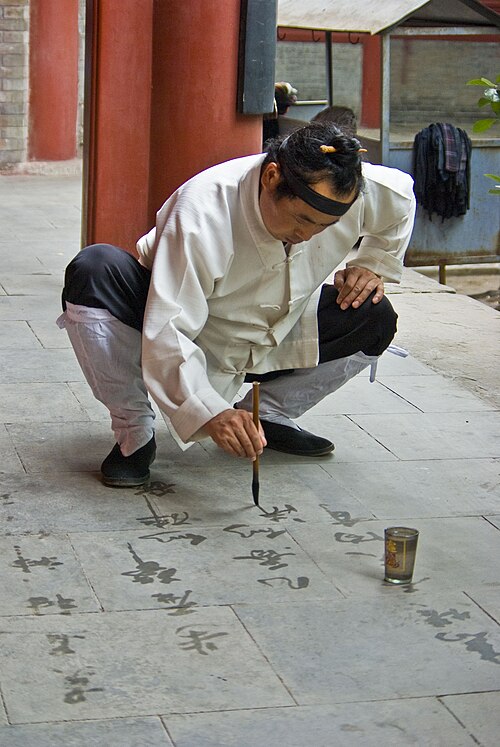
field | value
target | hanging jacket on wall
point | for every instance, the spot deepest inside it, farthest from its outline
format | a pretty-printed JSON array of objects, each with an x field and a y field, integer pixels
[{"x": 441, "y": 169}]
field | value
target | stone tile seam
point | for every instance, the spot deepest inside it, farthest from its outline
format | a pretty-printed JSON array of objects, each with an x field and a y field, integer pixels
[
  {"x": 481, "y": 608},
  {"x": 454, "y": 715},
  {"x": 264, "y": 656},
  {"x": 401, "y": 397},
  {"x": 370, "y": 435},
  {"x": 318, "y": 567},
  {"x": 85, "y": 576},
  {"x": 4, "y": 704}
]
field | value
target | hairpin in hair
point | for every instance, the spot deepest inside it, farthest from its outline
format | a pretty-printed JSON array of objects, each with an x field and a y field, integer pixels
[
  {"x": 327, "y": 149},
  {"x": 362, "y": 150}
]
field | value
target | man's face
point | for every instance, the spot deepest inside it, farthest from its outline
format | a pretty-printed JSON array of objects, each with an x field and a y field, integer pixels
[{"x": 290, "y": 219}]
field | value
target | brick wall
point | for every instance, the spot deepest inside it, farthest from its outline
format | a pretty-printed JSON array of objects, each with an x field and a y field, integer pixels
[
  {"x": 14, "y": 28},
  {"x": 428, "y": 79},
  {"x": 303, "y": 65}
]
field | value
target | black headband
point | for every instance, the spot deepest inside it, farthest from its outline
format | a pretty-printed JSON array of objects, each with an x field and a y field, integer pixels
[{"x": 313, "y": 198}]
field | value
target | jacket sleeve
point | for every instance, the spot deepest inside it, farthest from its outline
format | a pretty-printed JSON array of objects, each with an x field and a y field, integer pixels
[
  {"x": 189, "y": 257},
  {"x": 389, "y": 215}
]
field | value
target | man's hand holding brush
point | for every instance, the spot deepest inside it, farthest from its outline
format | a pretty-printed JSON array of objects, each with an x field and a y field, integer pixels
[{"x": 235, "y": 432}]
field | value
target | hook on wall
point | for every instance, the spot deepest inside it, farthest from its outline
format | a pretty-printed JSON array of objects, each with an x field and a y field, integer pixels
[
  {"x": 281, "y": 35},
  {"x": 349, "y": 36},
  {"x": 313, "y": 37}
]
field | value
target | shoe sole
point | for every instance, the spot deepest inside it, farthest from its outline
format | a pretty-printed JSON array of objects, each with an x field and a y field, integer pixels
[
  {"x": 124, "y": 482},
  {"x": 319, "y": 452}
]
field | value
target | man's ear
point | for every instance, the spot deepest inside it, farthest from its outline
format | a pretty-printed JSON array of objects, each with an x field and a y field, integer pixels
[{"x": 271, "y": 176}]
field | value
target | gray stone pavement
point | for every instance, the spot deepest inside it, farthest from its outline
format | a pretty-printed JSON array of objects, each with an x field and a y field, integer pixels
[{"x": 180, "y": 614}]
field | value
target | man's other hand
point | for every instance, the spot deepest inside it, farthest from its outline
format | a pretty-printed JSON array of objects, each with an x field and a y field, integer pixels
[{"x": 355, "y": 284}]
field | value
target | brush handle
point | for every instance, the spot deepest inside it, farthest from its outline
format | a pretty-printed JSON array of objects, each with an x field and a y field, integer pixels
[
  {"x": 255, "y": 402},
  {"x": 255, "y": 409}
]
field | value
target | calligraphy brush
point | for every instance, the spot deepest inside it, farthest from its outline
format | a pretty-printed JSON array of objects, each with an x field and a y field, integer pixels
[{"x": 255, "y": 478}]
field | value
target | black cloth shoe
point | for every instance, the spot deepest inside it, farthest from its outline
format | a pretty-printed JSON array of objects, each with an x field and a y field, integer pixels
[
  {"x": 292, "y": 441},
  {"x": 119, "y": 471}
]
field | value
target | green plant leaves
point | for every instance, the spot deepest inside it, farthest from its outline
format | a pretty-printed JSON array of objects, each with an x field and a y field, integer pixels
[
  {"x": 496, "y": 189},
  {"x": 491, "y": 98},
  {"x": 481, "y": 125},
  {"x": 482, "y": 82}
]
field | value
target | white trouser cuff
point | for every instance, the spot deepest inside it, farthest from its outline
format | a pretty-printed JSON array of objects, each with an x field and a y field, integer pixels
[
  {"x": 291, "y": 395},
  {"x": 109, "y": 354}
]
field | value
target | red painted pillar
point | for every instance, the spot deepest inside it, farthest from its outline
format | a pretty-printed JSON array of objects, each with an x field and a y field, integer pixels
[
  {"x": 53, "y": 81},
  {"x": 118, "y": 64},
  {"x": 194, "y": 119},
  {"x": 371, "y": 91},
  {"x": 161, "y": 107}
]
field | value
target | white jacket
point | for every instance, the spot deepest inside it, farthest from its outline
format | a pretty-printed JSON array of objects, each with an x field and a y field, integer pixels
[{"x": 226, "y": 299}]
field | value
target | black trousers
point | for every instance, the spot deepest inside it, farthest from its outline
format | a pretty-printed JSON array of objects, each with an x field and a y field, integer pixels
[{"x": 105, "y": 277}]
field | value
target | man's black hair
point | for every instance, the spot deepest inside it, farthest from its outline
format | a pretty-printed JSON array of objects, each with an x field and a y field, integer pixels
[{"x": 300, "y": 152}]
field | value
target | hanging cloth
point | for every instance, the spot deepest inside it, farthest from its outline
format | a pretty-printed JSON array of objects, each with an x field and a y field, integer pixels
[{"x": 441, "y": 169}]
